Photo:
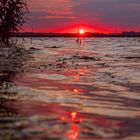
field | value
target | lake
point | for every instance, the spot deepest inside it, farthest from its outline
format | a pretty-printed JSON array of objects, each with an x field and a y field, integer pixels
[{"x": 66, "y": 89}]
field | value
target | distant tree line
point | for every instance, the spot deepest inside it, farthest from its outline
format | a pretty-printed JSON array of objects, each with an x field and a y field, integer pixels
[{"x": 88, "y": 34}]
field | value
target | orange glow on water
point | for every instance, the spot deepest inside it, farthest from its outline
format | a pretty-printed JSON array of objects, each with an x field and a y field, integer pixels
[
  {"x": 73, "y": 115},
  {"x": 75, "y": 129},
  {"x": 82, "y": 73},
  {"x": 75, "y": 90},
  {"x": 73, "y": 135}
]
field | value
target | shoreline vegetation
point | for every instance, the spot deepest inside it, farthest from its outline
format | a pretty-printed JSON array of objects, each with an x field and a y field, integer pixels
[{"x": 12, "y": 17}]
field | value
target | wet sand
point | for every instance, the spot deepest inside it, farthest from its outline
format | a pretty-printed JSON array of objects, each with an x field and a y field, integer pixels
[{"x": 60, "y": 90}]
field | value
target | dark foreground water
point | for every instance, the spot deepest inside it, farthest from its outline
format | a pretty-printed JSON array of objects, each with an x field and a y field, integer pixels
[{"x": 60, "y": 90}]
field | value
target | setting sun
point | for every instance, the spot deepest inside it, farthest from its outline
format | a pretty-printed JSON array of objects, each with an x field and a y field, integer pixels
[{"x": 81, "y": 31}]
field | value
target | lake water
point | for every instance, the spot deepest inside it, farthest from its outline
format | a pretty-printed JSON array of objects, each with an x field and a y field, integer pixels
[{"x": 64, "y": 90}]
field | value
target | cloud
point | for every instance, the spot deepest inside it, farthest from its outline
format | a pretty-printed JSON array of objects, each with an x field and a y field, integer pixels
[
  {"x": 109, "y": 14},
  {"x": 55, "y": 7}
]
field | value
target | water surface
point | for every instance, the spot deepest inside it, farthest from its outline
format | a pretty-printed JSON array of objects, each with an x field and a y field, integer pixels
[{"x": 61, "y": 90}]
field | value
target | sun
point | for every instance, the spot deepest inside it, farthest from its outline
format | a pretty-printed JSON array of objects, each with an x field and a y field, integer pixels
[{"x": 81, "y": 31}]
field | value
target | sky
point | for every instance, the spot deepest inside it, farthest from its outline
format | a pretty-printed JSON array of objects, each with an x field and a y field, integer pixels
[{"x": 92, "y": 15}]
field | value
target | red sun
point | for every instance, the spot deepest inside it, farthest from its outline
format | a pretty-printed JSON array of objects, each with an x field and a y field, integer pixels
[{"x": 81, "y": 31}]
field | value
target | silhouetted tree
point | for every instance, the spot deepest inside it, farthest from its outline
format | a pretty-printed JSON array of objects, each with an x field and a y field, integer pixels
[{"x": 11, "y": 17}]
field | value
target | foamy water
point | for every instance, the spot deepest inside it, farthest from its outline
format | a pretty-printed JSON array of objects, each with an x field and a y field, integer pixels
[{"x": 63, "y": 90}]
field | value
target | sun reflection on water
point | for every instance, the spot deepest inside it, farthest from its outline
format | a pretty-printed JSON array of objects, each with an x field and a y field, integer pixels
[
  {"x": 60, "y": 103},
  {"x": 74, "y": 127}
]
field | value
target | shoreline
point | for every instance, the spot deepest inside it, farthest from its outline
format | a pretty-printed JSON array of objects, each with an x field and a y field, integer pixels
[{"x": 87, "y": 34}]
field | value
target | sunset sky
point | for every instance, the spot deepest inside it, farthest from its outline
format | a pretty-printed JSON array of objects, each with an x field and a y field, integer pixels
[{"x": 92, "y": 15}]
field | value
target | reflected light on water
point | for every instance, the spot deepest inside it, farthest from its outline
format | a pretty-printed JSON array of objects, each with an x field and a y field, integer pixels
[
  {"x": 74, "y": 127},
  {"x": 82, "y": 73},
  {"x": 75, "y": 90},
  {"x": 76, "y": 78},
  {"x": 73, "y": 115},
  {"x": 83, "y": 100},
  {"x": 76, "y": 74},
  {"x": 74, "y": 134}
]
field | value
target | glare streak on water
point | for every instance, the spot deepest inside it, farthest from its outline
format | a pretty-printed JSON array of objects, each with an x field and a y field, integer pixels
[{"x": 63, "y": 90}]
